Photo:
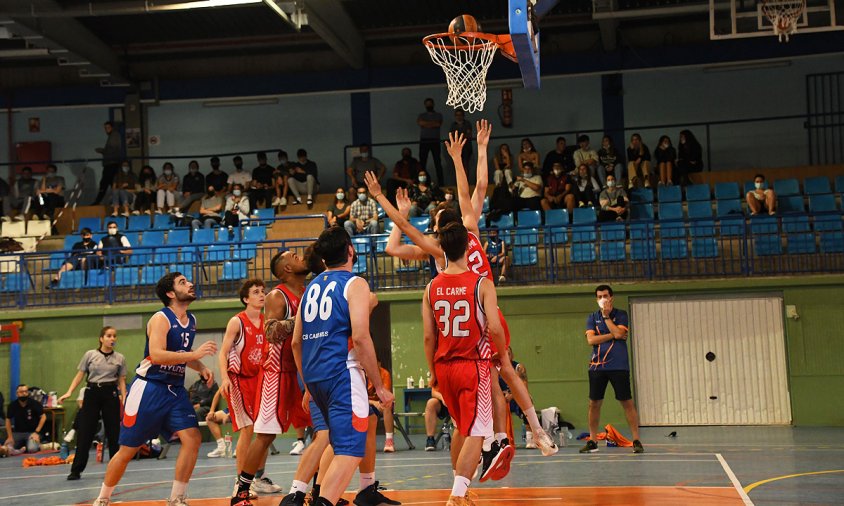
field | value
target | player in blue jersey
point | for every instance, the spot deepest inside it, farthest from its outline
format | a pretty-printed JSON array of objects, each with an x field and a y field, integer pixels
[
  {"x": 157, "y": 402},
  {"x": 333, "y": 348}
]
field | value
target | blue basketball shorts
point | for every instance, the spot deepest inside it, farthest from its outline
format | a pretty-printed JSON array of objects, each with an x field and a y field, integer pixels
[
  {"x": 344, "y": 405},
  {"x": 154, "y": 408}
]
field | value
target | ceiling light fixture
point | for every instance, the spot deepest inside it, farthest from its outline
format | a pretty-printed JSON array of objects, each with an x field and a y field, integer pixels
[{"x": 204, "y": 4}]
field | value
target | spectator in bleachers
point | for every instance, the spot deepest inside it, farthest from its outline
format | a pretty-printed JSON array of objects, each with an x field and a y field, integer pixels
[
  {"x": 496, "y": 253},
  {"x": 558, "y": 190},
  {"x": 304, "y": 177},
  {"x": 403, "y": 173},
  {"x": 201, "y": 396},
  {"x": 585, "y": 188},
  {"x": 424, "y": 196},
  {"x": 217, "y": 178},
  {"x": 562, "y": 155},
  {"x": 339, "y": 211},
  {"x": 689, "y": 157},
  {"x": 665, "y": 156},
  {"x": 363, "y": 218},
  {"x": 262, "y": 189},
  {"x": 608, "y": 162},
  {"x": 465, "y": 127},
  {"x": 193, "y": 188},
  {"x": 586, "y": 155},
  {"x": 24, "y": 420},
  {"x": 528, "y": 153},
  {"x": 166, "y": 188},
  {"x": 147, "y": 182},
  {"x": 209, "y": 210},
  {"x": 362, "y": 164},
  {"x": 450, "y": 201},
  {"x": 638, "y": 162},
  {"x": 4, "y": 195},
  {"x": 429, "y": 123},
  {"x": 123, "y": 190},
  {"x": 239, "y": 176},
  {"x": 115, "y": 247},
  {"x": 22, "y": 196},
  {"x": 112, "y": 154},
  {"x": 237, "y": 207},
  {"x": 215, "y": 419},
  {"x": 281, "y": 179},
  {"x": 82, "y": 256},
  {"x": 761, "y": 199},
  {"x": 503, "y": 163},
  {"x": 614, "y": 202},
  {"x": 528, "y": 188},
  {"x": 51, "y": 191}
]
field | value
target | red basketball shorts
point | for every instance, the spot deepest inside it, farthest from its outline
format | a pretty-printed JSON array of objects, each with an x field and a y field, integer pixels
[{"x": 465, "y": 387}]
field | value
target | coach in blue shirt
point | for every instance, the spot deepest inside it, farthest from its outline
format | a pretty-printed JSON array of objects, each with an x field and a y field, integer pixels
[{"x": 607, "y": 331}]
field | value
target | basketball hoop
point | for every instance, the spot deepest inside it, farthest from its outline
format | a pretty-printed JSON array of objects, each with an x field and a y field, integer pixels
[
  {"x": 783, "y": 15},
  {"x": 465, "y": 58}
]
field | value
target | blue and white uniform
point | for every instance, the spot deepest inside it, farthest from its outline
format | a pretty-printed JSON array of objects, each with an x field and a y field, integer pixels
[
  {"x": 157, "y": 402},
  {"x": 330, "y": 366}
]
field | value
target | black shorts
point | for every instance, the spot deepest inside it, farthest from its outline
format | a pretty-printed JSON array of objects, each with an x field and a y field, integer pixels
[
  {"x": 620, "y": 384},
  {"x": 443, "y": 414}
]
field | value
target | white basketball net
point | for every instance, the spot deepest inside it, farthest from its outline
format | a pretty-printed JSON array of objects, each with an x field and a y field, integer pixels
[
  {"x": 465, "y": 61},
  {"x": 784, "y": 15}
]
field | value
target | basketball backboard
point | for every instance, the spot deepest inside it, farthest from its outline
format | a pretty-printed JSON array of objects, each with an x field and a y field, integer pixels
[
  {"x": 738, "y": 19},
  {"x": 524, "y": 31}
]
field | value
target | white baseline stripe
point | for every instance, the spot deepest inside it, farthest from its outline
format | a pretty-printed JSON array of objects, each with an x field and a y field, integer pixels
[{"x": 734, "y": 480}]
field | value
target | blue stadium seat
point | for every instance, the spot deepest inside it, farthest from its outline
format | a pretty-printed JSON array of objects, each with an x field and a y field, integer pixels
[
  {"x": 726, "y": 191},
  {"x": 583, "y": 252},
  {"x": 503, "y": 221},
  {"x": 264, "y": 216},
  {"x": 749, "y": 186},
  {"x": 242, "y": 251},
  {"x": 152, "y": 238},
  {"x": 361, "y": 244},
  {"x": 613, "y": 231},
  {"x": 556, "y": 223},
  {"x": 674, "y": 249},
  {"x": 671, "y": 219},
  {"x": 612, "y": 251},
  {"x": 796, "y": 223},
  {"x": 57, "y": 260},
  {"x": 255, "y": 233},
  {"x": 226, "y": 237},
  {"x": 704, "y": 247},
  {"x": 642, "y": 242},
  {"x": 698, "y": 192},
  {"x": 641, "y": 196},
  {"x": 97, "y": 279},
  {"x": 726, "y": 207},
  {"x": 72, "y": 280},
  {"x": 761, "y": 225},
  {"x": 786, "y": 187},
  {"x": 233, "y": 271},
  {"x": 165, "y": 256},
  {"x": 162, "y": 221},
  {"x": 125, "y": 276},
  {"x": 816, "y": 185},
  {"x": 584, "y": 220},
  {"x": 486, "y": 205},
  {"x": 150, "y": 274},
  {"x": 70, "y": 240},
  {"x": 185, "y": 269},
  {"x": 801, "y": 243},
  {"x": 205, "y": 235},
  {"x": 642, "y": 212},
  {"x": 766, "y": 245},
  {"x": 822, "y": 203},
  {"x": 828, "y": 223},
  {"x": 218, "y": 253},
  {"x": 420, "y": 223},
  {"x": 94, "y": 223},
  {"x": 839, "y": 184},
  {"x": 669, "y": 194},
  {"x": 790, "y": 204},
  {"x": 832, "y": 242},
  {"x": 527, "y": 237},
  {"x": 190, "y": 254},
  {"x": 178, "y": 237},
  {"x": 642, "y": 231},
  {"x": 525, "y": 256},
  {"x": 584, "y": 215},
  {"x": 15, "y": 282},
  {"x": 702, "y": 209},
  {"x": 360, "y": 264},
  {"x": 139, "y": 222},
  {"x": 529, "y": 218}
]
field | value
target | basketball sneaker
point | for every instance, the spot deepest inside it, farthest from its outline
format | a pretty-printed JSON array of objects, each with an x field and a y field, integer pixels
[
  {"x": 637, "y": 446},
  {"x": 181, "y": 500},
  {"x": 101, "y": 502},
  {"x": 459, "y": 501},
  {"x": 389, "y": 446},
  {"x": 589, "y": 447},
  {"x": 430, "y": 444},
  {"x": 488, "y": 460},
  {"x": 264, "y": 485},
  {"x": 240, "y": 499},
  {"x": 294, "y": 499},
  {"x": 502, "y": 467},
  {"x": 544, "y": 443},
  {"x": 298, "y": 448},
  {"x": 218, "y": 452},
  {"x": 371, "y": 496}
]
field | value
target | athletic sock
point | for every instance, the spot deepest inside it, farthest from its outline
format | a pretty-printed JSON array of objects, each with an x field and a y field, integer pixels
[
  {"x": 301, "y": 440},
  {"x": 221, "y": 443},
  {"x": 105, "y": 492},
  {"x": 244, "y": 481},
  {"x": 179, "y": 489},
  {"x": 366, "y": 479},
  {"x": 487, "y": 446},
  {"x": 499, "y": 436},
  {"x": 299, "y": 486},
  {"x": 259, "y": 473},
  {"x": 461, "y": 485},
  {"x": 389, "y": 435},
  {"x": 533, "y": 421}
]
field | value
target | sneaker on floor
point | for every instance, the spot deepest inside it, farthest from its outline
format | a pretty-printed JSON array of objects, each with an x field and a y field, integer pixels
[
  {"x": 647, "y": 183},
  {"x": 178, "y": 214},
  {"x": 637, "y": 446},
  {"x": 294, "y": 499},
  {"x": 18, "y": 218},
  {"x": 252, "y": 495},
  {"x": 501, "y": 279},
  {"x": 113, "y": 215},
  {"x": 181, "y": 500},
  {"x": 506, "y": 454},
  {"x": 459, "y": 501},
  {"x": 430, "y": 444},
  {"x": 489, "y": 458},
  {"x": 217, "y": 452},
  {"x": 72, "y": 433},
  {"x": 276, "y": 202},
  {"x": 136, "y": 213},
  {"x": 544, "y": 442},
  {"x": 240, "y": 499},
  {"x": 589, "y": 447},
  {"x": 73, "y": 476},
  {"x": 297, "y": 201},
  {"x": 389, "y": 446},
  {"x": 125, "y": 214},
  {"x": 283, "y": 201},
  {"x": 5, "y": 219},
  {"x": 298, "y": 448},
  {"x": 101, "y": 502},
  {"x": 264, "y": 485},
  {"x": 371, "y": 496}
]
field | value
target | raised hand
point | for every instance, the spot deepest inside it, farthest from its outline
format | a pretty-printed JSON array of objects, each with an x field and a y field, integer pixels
[
  {"x": 455, "y": 144},
  {"x": 372, "y": 183},
  {"x": 403, "y": 202},
  {"x": 484, "y": 129}
]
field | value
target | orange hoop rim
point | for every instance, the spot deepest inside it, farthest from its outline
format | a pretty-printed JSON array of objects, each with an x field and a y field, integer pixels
[{"x": 504, "y": 42}]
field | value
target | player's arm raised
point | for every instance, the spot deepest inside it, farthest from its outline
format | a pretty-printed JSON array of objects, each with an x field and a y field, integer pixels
[
  {"x": 157, "y": 329},
  {"x": 359, "y": 303},
  {"x": 395, "y": 247},
  {"x": 482, "y": 182},
  {"x": 454, "y": 146},
  {"x": 489, "y": 300},
  {"x": 429, "y": 331},
  {"x": 232, "y": 331}
]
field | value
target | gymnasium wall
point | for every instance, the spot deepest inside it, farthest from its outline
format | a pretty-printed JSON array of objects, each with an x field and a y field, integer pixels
[{"x": 547, "y": 325}]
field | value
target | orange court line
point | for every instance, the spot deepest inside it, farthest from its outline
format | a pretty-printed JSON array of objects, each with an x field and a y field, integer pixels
[{"x": 628, "y": 496}]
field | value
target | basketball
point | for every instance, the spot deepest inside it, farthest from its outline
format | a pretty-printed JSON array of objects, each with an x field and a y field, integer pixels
[{"x": 463, "y": 23}]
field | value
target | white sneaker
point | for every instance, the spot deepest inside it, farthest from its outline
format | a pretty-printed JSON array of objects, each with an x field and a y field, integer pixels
[
  {"x": 283, "y": 201},
  {"x": 178, "y": 214},
  {"x": 218, "y": 452},
  {"x": 18, "y": 218},
  {"x": 179, "y": 501},
  {"x": 101, "y": 502},
  {"x": 545, "y": 443},
  {"x": 647, "y": 183},
  {"x": 501, "y": 279},
  {"x": 69, "y": 436},
  {"x": 5, "y": 219},
  {"x": 264, "y": 485},
  {"x": 276, "y": 202},
  {"x": 136, "y": 213},
  {"x": 529, "y": 441},
  {"x": 298, "y": 448}
]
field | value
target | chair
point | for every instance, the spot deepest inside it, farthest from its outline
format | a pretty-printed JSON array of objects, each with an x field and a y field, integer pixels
[
  {"x": 224, "y": 236},
  {"x": 360, "y": 264},
  {"x": 613, "y": 231},
  {"x": 525, "y": 256},
  {"x": 839, "y": 184},
  {"x": 613, "y": 251},
  {"x": 233, "y": 271},
  {"x": 669, "y": 194},
  {"x": 725, "y": 207},
  {"x": 698, "y": 192},
  {"x": 816, "y": 185},
  {"x": 125, "y": 276},
  {"x": 264, "y": 216},
  {"x": 178, "y": 237},
  {"x": 15, "y": 282},
  {"x": 420, "y": 223},
  {"x": 57, "y": 260},
  {"x": 97, "y": 279},
  {"x": 204, "y": 235},
  {"x": 218, "y": 253},
  {"x": 801, "y": 243},
  {"x": 38, "y": 228},
  {"x": 14, "y": 229},
  {"x": 583, "y": 252},
  {"x": 584, "y": 220},
  {"x": 361, "y": 245},
  {"x": 642, "y": 212},
  {"x": 255, "y": 233},
  {"x": 671, "y": 219},
  {"x": 505, "y": 224},
  {"x": 152, "y": 238},
  {"x": 556, "y": 222},
  {"x": 72, "y": 280},
  {"x": 529, "y": 218},
  {"x": 786, "y": 187},
  {"x": 138, "y": 222},
  {"x": 822, "y": 203},
  {"x": 165, "y": 256},
  {"x": 642, "y": 241},
  {"x": 162, "y": 221},
  {"x": 704, "y": 247},
  {"x": 796, "y": 223},
  {"x": 790, "y": 204},
  {"x": 486, "y": 205},
  {"x": 726, "y": 191},
  {"x": 702, "y": 209},
  {"x": 150, "y": 274},
  {"x": 92, "y": 222},
  {"x": 832, "y": 242},
  {"x": 674, "y": 249},
  {"x": 184, "y": 268},
  {"x": 766, "y": 235},
  {"x": 641, "y": 196},
  {"x": 242, "y": 252}
]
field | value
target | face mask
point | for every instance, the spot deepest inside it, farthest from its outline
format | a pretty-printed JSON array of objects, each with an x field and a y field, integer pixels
[
  {"x": 167, "y": 172},
  {"x": 557, "y": 172},
  {"x": 364, "y": 156},
  {"x": 429, "y": 108},
  {"x": 236, "y": 193},
  {"x": 112, "y": 231},
  {"x": 125, "y": 168},
  {"x": 758, "y": 185},
  {"x": 664, "y": 145},
  {"x": 238, "y": 167},
  {"x": 340, "y": 195},
  {"x": 283, "y": 160},
  {"x": 528, "y": 173},
  {"x": 362, "y": 197},
  {"x": 449, "y": 197},
  {"x": 193, "y": 170},
  {"x": 610, "y": 184},
  {"x": 602, "y": 303},
  {"x": 87, "y": 240},
  {"x": 210, "y": 192},
  {"x": 422, "y": 179}
]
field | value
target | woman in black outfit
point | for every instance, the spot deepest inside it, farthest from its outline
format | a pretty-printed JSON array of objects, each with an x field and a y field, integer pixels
[
  {"x": 106, "y": 370},
  {"x": 689, "y": 157}
]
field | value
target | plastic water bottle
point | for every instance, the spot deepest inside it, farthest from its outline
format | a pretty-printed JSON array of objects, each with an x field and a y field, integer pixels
[
  {"x": 64, "y": 450},
  {"x": 565, "y": 435},
  {"x": 228, "y": 440},
  {"x": 100, "y": 452},
  {"x": 421, "y": 382},
  {"x": 410, "y": 382}
]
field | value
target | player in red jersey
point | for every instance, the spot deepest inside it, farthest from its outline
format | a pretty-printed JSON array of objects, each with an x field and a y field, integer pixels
[{"x": 458, "y": 331}]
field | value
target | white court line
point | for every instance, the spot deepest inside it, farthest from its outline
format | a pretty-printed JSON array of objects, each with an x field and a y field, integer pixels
[{"x": 736, "y": 483}]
